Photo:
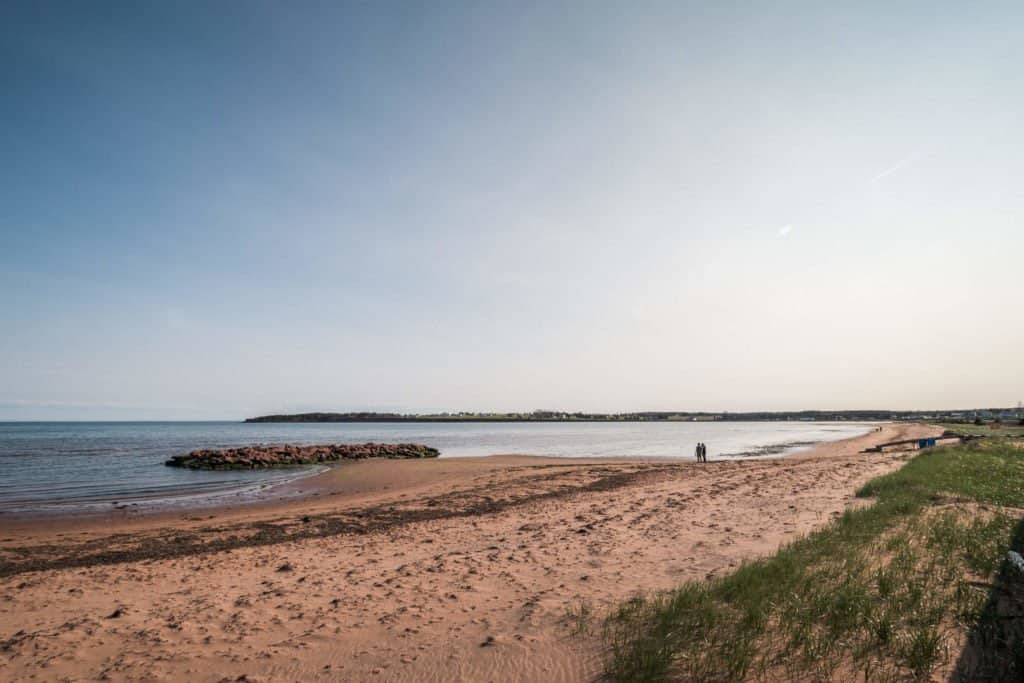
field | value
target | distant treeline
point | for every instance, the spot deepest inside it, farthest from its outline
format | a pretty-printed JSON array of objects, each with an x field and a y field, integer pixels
[{"x": 652, "y": 416}]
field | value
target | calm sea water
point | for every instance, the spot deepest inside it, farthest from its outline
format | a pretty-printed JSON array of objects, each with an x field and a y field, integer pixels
[{"x": 59, "y": 466}]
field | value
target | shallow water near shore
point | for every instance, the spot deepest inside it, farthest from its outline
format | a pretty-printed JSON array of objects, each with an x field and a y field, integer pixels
[{"x": 61, "y": 466}]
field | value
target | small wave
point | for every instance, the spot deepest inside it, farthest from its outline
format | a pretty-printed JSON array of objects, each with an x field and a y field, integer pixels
[{"x": 202, "y": 494}]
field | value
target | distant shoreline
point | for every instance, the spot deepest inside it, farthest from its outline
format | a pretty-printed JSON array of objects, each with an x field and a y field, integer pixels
[{"x": 650, "y": 416}]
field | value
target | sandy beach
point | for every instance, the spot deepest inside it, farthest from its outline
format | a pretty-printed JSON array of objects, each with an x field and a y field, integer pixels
[{"x": 446, "y": 570}]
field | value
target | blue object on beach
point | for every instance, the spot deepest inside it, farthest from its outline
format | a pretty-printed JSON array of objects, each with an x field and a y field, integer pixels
[
  {"x": 931, "y": 442},
  {"x": 922, "y": 443}
]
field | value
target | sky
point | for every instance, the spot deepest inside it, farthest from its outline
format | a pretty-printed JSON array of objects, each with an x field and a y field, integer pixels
[{"x": 219, "y": 210}]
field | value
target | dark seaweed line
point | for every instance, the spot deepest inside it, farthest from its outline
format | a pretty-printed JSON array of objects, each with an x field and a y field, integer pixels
[{"x": 176, "y": 544}]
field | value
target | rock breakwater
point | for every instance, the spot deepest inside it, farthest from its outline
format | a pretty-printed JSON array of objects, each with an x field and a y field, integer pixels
[{"x": 260, "y": 457}]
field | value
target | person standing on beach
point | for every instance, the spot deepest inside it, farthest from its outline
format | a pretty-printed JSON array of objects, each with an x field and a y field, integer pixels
[
  {"x": 697, "y": 451},
  {"x": 703, "y": 452}
]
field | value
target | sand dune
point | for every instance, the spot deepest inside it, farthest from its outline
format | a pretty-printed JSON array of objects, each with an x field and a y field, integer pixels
[{"x": 446, "y": 570}]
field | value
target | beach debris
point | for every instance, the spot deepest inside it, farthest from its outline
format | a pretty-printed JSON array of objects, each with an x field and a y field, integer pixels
[
  {"x": 260, "y": 457},
  {"x": 489, "y": 641},
  {"x": 922, "y": 443},
  {"x": 286, "y": 567},
  {"x": 116, "y": 614}
]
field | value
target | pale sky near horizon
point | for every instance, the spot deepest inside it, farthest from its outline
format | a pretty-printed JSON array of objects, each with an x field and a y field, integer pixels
[{"x": 218, "y": 210}]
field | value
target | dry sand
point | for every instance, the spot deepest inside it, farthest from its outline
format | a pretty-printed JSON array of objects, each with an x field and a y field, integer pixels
[{"x": 447, "y": 570}]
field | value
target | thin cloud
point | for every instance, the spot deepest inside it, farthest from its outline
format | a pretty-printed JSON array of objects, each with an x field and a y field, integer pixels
[{"x": 785, "y": 230}]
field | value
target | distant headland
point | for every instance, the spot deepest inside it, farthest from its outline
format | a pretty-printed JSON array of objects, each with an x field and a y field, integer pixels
[{"x": 660, "y": 416}]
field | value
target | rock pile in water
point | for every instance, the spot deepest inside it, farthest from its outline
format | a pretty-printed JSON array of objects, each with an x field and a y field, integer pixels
[{"x": 259, "y": 457}]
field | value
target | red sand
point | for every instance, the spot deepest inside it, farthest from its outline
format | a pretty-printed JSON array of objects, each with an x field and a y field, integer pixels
[{"x": 445, "y": 570}]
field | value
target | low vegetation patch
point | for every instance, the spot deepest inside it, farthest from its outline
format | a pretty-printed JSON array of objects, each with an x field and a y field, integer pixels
[
  {"x": 914, "y": 584},
  {"x": 1003, "y": 428}
]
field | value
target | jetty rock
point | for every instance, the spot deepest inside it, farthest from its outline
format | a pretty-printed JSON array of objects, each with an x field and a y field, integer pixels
[{"x": 260, "y": 457}]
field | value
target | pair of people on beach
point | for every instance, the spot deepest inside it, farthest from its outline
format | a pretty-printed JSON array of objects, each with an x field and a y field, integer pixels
[{"x": 702, "y": 452}]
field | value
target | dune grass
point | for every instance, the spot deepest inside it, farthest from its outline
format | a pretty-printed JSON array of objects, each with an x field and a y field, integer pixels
[{"x": 886, "y": 592}]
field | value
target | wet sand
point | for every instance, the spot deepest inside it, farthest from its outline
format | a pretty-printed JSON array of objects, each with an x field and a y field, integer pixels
[{"x": 442, "y": 570}]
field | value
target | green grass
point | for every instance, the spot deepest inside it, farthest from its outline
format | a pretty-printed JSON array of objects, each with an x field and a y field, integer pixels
[
  {"x": 1009, "y": 428},
  {"x": 579, "y": 614},
  {"x": 880, "y": 593}
]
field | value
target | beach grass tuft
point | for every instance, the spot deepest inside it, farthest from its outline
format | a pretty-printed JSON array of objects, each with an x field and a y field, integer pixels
[
  {"x": 579, "y": 614},
  {"x": 893, "y": 591}
]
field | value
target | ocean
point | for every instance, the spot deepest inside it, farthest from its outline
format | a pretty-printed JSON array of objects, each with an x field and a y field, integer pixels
[{"x": 63, "y": 466}]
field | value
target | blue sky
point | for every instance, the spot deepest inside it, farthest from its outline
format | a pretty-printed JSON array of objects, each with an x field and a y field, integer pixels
[{"x": 220, "y": 210}]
